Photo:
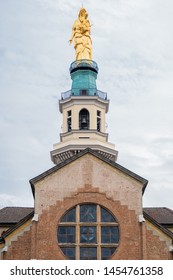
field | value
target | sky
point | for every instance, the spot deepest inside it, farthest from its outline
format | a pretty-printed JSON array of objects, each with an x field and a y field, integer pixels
[{"x": 132, "y": 45}]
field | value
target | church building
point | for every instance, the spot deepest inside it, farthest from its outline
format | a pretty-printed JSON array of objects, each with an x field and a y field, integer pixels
[{"x": 87, "y": 207}]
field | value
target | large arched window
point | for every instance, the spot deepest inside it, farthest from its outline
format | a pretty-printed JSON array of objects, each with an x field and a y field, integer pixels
[
  {"x": 88, "y": 232},
  {"x": 84, "y": 119}
]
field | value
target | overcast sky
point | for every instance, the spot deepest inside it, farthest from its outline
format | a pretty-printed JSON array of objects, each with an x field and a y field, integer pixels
[{"x": 133, "y": 46}]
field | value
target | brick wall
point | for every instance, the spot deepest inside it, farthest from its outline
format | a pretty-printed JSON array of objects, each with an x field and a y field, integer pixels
[
  {"x": 46, "y": 238},
  {"x": 88, "y": 180},
  {"x": 157, "y": 248},
  {"x": 19, "y": 249}
]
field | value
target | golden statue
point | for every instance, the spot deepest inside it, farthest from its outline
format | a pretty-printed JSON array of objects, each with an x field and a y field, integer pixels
[{"x": 81, "y": 35}]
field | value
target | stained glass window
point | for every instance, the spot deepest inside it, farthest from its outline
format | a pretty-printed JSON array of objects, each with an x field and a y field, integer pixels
[
  {"x": 106, "y": 252},
  {"x": 88, "y": 232},
  {"x": 88, "y": 253},
  {"x": 106, "y": 216},
  {"x": 109, "y": 234},
  {"x": 69, "y": 252},
  {"x": 66, "y": 234},
  {"x": 70, "y": 216},
  {"x": 88, "y": 213}
]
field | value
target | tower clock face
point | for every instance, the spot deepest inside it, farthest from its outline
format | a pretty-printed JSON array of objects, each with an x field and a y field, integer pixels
[{"x": 88, "y": 232}]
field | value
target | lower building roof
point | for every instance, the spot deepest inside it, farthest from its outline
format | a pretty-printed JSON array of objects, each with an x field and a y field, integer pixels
[
  {"x": 162, "y": 215},
  {"x": 12, "y": 215}
]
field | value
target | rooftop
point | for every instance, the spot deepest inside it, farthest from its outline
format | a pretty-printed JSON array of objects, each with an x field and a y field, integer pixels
[
  {"x": 12, "y": 215},
  {"x": 161, "y": 215}
]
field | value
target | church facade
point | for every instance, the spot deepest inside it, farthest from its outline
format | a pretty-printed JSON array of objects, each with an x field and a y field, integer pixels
[{"x": 87, "y": 207}]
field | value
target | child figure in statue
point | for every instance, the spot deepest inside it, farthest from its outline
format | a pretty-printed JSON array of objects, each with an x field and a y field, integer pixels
[{"x": 81, "y": 36}]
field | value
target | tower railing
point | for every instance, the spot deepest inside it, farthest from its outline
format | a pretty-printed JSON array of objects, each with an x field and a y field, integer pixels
[{"x": 84, "y": 92}]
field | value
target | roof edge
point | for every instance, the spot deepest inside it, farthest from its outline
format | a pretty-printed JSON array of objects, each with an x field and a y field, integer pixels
[
  {"x": 21, "y": 222},
  {"x": 154, "y": 222},
  {"x": 96, "y": 154}
]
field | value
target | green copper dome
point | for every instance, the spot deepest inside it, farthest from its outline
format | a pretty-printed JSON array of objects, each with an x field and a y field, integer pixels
[{"x": 83, "y": 74}]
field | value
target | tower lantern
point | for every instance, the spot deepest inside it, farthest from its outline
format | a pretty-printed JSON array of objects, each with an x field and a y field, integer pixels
[{"x": 84, "y": 106}]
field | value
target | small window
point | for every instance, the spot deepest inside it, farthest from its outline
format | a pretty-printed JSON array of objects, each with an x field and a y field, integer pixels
[
  {"x": 84, "y": 119},
  {"x": 69, "y": 113},
  {"x": 84, "y": 92},
  {"x": 98, "y": 113},
  {"x": 69, "y": 120},
  {"x": 98, "y": 120},
  {"x": 88, "y": 232}
]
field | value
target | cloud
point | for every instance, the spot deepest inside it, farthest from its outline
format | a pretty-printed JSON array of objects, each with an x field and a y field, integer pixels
[{"x": 12, "y": 200}]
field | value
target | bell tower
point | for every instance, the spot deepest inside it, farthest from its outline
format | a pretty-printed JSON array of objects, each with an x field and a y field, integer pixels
[{"x": 83, "y": 107}]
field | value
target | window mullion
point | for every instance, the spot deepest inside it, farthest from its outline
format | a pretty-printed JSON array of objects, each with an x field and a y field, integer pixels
[
  {"x": 77, "y": 232},
  {"x": 98, "y": 232}
]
